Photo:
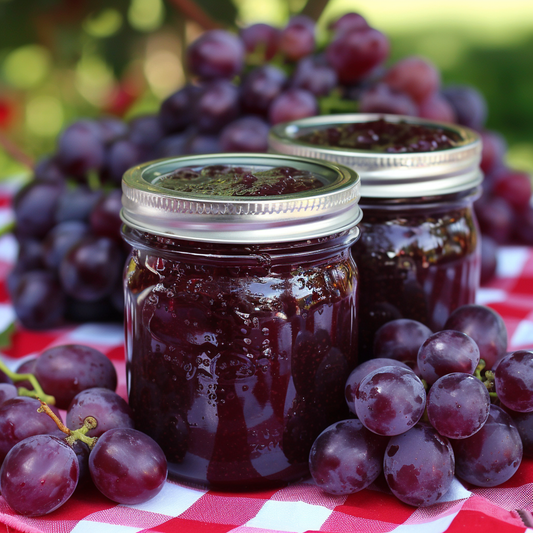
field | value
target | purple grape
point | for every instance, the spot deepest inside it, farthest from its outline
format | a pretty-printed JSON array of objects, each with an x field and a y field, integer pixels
[
  {"x": 246, "y": 134},
  {"x": 524, "y": 424},
  {"x": 119, "y": 157},
  {"x": 390, "y": 400},
  {"x": 260, "y": 87},
  {"x": 380, "y": 98},
  {"x": 39, "y": 475},
  {"x": 400, "y": 339},
  {"x": 108, "y": 408},
  {"x": 360, "y": 372},
  {"x": 292, "y": 104},
  {"x": 216, "y": 54},
  {"x": 419, "y": 465},
  {"x": 47, "y": 169},
  {"x": 469, "y": 105},
  {"x": 445, "y": 352},
  {"x": 7, "y": 391},
  {"x": 82, "y": 455},
  {"x": 346, "y": 457},
  {"x": 495, "y": 217},
  {"x": 458, "y": 405},
  {"x": 485, "y": 326},
  {"x": 349, "y": 21},
  {"x": 314, "y": 75},
  {"x": 261, "y": 38},
  {"x": 513, "y": 380},
  {"x": 200, "y": 143},
  {"x": 493, "y": 454},
  {"x": 105, "y": 218},
  {"x": 297, "y": 39},
  {"x": 61, "y": 239},
  {"x": 19, "y": 420},
  {"x": 112, "y": 129},
  {"x": 26, "y": 367},
  {"x": 66, "y": 370},
  {"x": 38, "y": 300},
  {"x": 217, "y": 105},
  {"x": 172, "y": 146},
  {"x": 489, "y": 258},
  {"x": 91, "y": 268},
  {"x": 127, "y": 466},
  {"x": 177, "y": 111},
  {"x": 80, "y": 149}
]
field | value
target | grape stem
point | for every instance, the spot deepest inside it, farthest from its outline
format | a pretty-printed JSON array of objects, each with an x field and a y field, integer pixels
[
  {"x": 72, "y": 434},
  {"x": 37, "y": 391}
]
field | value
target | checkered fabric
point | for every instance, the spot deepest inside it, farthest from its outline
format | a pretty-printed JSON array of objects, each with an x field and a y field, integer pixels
[{"x": 300, "y": 507}]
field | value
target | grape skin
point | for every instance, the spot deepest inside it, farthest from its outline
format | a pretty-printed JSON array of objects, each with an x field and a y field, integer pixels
[
  {"x": 458, "y": 405},
  {"x": 38, "y": 475},
  {"x": 390, "y": 400},
  {"x": 127, "y": 466},
  {"x": 346, "y": 457},
  {"x": 419, "y": 465},
  {"x": 514, "y": 381}
]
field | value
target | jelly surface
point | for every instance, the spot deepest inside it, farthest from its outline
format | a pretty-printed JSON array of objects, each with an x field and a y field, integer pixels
[
  {"x": 384, "y": 136},
  {"x": 237, "y": 356},
  {"x": 415, "y": 263},
  {"x": 226, "y": 180}
]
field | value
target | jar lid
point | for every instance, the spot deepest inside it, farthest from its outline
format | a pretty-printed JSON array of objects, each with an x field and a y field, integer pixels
[
  {"x": 390, "y": 175},
  {"x": 209, "y": 215}
]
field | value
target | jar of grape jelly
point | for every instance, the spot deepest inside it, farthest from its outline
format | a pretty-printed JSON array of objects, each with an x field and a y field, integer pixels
[
  {"x": 240, "y": 311},
  {"x": 419, "y": 251}
]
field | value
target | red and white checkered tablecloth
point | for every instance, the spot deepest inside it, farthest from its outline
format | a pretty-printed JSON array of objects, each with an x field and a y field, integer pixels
[{"x": 299, "y": 507}]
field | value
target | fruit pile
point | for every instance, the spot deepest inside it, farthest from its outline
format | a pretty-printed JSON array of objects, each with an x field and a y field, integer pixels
[
  {"x": 68, "y": 227},
  {"x": 97, "y": 445},
  {"x": 430, "y": 406}
]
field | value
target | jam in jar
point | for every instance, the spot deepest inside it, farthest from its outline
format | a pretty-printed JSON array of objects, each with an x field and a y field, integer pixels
[
  {"x": 418, "y": 255},
  {"x": 240, "y": 311}
]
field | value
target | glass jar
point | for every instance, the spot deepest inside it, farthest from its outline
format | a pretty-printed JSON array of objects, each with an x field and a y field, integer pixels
[
  {"x": 240, "y": 318},
  {"x": 419, "y": 251}
]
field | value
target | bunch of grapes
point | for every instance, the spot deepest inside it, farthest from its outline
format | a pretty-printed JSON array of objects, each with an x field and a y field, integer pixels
[
  {"x": 430, "y": 406},
  {"x": 43, "y": 461},
  {"x": 67, "y": 219}
]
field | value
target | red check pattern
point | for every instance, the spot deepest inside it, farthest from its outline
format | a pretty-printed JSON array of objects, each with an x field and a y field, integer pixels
[{"x": 298, "y": 508}]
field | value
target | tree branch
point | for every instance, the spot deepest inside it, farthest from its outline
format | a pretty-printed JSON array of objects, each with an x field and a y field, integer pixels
[
  {"x": 314, "y": 8},
  {"x": 194, "y": 12}
]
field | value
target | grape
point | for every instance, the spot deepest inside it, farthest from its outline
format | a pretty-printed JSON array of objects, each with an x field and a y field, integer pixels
[
  {"x": 297, "y": 39},
  {"x": 380, "y": 98},
  {"x": 489, "y": 259},
  {"x": 495, "y": 218},
  {"x": 260, "y": 87},
  {"x": 349, "y": 21},
  {"x": 458, "y": 405},
  {"x": 494, "y": 148},
  {"x": 26, "y": 367},
  {"x": 437, "y": 108},
  {"x": 108, "y": 408},
  {"x": 7, "y": 391},
  {"x": 524, "y": 424},
  {"x": 493, "y": 454},
  {"x": 445, "y": 352},
  {"x": 38, "y": 300},
  {"x": 119, "y": 157},
  {"x": 346, "y": 457},
  {"x": 66, "y": 370},
  {"x": 145, "y": 131},
  {"x": 314, "y": 75},
  {"x": 390, "y": 400},
  {"x": 47, "y": 169},
  {"x": 415, "y": 76},
  {"x": 216, "y": 106},
  {"x": 360, "y": 372},
  {"x": 91, "y": 268},
  {"x": 400, "y": 339},
  {"x": 514, "y": 187},
  {"x": 485, "y": 326},
  {"x": 76, "y": 204},
  {"x": 468, "y": 103},
  {"x": 216, "y": 54},
  {"x": 19, "y": 419},
  {"x": 292, "y": 104},
  {"x": 354, "y": 53},
  {"x": 80, "y": 149},
  {"x": 261, "y": 38},
  {"x": 419, "y": 465},
  {"x": 105, "y": 217},
  {"x": 523, "y": 226},
  {"x": 177, "y": 110},
  {"x": 172, "y": 146},
  {"x": 60, "y": 239},
  {"x": 112, "y": 129},
  {"x": 200, "y": 143},
  {"x": 246, "y": 134},
  {"x": 39, "y": 475},
  {"x": 513, "y": 380},
  {"x": 127, "y": 466}
]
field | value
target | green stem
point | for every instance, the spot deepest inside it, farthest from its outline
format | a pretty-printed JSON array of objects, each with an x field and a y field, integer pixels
[
  {"x": 37, "y": 391},
  {"x": 8, "y": 228}
]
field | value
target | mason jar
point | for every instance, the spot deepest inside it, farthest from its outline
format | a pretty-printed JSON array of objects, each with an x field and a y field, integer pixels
[
  {"x": 419, "y": 251},
  {"x": 240, "y": 302}
]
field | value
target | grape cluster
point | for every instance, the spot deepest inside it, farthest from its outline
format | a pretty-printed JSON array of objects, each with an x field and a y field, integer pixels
[
  {"x": 43, "y": 461},
  {"x": 463, "y": 406},
  {"x": 67, "y": 219}
]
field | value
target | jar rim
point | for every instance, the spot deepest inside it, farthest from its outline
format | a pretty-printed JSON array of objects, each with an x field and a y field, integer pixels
[
  {"x": 148, "y": 206},
  {"x": 390, "y": 175}
]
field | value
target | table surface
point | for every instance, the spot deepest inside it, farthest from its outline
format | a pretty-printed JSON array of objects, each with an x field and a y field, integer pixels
[{"x": 300, "y": 507}]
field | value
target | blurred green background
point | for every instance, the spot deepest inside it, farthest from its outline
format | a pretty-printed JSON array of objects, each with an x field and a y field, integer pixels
[{"x": 65, "y": 59}]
